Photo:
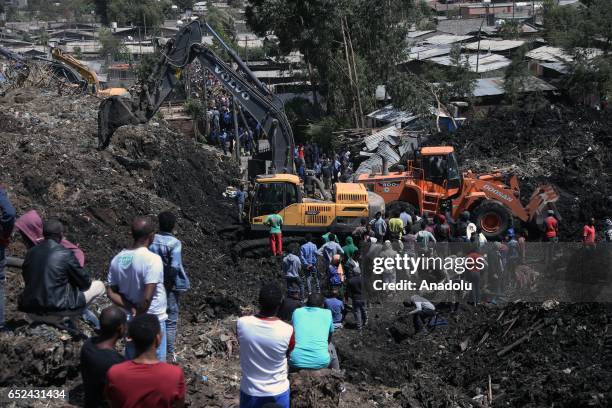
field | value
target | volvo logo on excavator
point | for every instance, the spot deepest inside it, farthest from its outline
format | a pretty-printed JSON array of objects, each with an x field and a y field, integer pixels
[
  {"x": 227, "y": 78},
  {"x": 498, "y": 193}
]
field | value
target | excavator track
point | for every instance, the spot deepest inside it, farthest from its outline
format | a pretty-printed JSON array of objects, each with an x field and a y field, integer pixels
[{"x": 254, "y": 248}]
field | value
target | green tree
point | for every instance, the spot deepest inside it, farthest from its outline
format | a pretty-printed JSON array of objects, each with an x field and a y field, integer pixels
[
  {"x": 580, "y": 30},
  {"x": 510, "y": 30},
  {"x": 110, "y": 44},
  {"x": 516, "y": 77},
  {"x": 147, "y": 14},
  {"x": 102, "y": 11},
  {"x": 309, "y": 26}
]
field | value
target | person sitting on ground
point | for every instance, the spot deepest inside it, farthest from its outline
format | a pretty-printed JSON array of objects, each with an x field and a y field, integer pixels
[
  {"x": 292, "y": 267},
  {"x": 265, "y": 342},
  {"x": 30, "y": 227},
  {"x": 313, "y": 326},
  {"x": 423, "y": 309},
  {"x": 98, "y": 354},
  {"x": 336, "y": 306},
  {"x": 136, "y": 281},
  {"x": 176, "y": 282},
  {"x": 291, "y": 302},
  {"x": 145, "y": 381},
  {"x": 55, "y": 283}
]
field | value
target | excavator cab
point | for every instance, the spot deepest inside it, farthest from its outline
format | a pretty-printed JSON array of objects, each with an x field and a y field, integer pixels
[
  {"x": 273, "y": 194},
  {"x": 439, "y": 166}
]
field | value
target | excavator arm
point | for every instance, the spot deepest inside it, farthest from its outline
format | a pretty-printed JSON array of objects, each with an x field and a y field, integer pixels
[
  {"x": 86, "y": 73},
  {"x": 244, "y": 86}
]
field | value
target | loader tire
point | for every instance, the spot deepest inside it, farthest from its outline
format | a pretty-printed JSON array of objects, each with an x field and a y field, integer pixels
[{"x": 493, "y": 218}]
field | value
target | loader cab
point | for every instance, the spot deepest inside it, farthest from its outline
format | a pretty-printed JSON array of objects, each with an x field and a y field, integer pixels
[
  {"x": 439, "y": 165},
  {"x": 274, "y": 193}
]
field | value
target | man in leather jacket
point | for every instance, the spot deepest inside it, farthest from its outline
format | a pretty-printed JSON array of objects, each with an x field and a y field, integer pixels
[{"x": 55, "y": 282}]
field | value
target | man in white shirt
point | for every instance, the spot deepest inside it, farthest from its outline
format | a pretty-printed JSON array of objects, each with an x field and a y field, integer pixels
[
  {"x": 136, "y": 281},
  {"x": 265, "y": 341}
]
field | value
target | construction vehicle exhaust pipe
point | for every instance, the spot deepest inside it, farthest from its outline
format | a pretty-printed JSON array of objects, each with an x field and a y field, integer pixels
[{"x": 385, "y": 166}]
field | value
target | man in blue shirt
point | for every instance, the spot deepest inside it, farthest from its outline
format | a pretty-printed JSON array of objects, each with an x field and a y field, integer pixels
[
  {"x": 7, "y": 221},
  {"x": 292, "y": 267},
  {"x": 169, "y": 248},
  {"x": 313, "y": 327},
  {"x": 240, "y": 200},
  {"x": 308, "y": 257},
  {"x": 336, "y": 306},
  {"x": 328, "y": 250}
]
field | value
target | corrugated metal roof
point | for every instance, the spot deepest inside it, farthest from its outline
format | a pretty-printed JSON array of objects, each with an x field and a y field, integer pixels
[
  {"x": 494, "y": 45},
  {"x": 418, "y": 33},
  {"x": 546, "y": 53},
  {"x": 443, "y": 39},
  {"x": 495, "y": 86},
  {"x": 464, "y": 26},
  {"x": 422, "y": 52},
  {"x": 486, "y": 62},
  {"x": 391, "y": 115},
  {"x": 556, "y": 66},
  {"x": 386, "y": 134}
]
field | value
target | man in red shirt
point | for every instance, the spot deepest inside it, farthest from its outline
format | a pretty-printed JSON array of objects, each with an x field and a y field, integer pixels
[
  {"x": 551, "y": 235},
  {"x": 588, "y": 233},
  {"x": 145, "y": 381}
]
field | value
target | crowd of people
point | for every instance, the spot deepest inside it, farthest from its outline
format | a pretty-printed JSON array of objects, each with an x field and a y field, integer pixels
[{"x": 293, "y": 328}]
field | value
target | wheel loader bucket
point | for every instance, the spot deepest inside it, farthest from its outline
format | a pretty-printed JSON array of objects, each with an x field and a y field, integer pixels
[{"x": 542, "y": 200}]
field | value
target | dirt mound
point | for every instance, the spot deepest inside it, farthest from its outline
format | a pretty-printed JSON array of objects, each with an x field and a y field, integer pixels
[
  {"x": 569, "y": 147},
  {"x": 534, "y": 355},
  {"x": 320, "y": 388}
]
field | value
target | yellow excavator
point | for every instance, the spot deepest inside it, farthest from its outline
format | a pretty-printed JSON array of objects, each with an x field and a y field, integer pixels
[{"x": 88, "y": 74}]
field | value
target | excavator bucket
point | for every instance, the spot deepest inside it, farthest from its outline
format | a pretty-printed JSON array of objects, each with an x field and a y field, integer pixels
[{"x": 115, "y": 112}]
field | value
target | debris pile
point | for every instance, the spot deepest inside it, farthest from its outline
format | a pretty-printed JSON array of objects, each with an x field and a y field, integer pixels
[{"x": 534, "y": 355}]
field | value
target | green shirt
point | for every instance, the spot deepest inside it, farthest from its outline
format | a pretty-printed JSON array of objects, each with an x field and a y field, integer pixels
[{"x": 274, "y": 221}]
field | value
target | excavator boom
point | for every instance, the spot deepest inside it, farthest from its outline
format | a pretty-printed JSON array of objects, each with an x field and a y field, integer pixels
[
  {"x": 245, "y": 88},
  {"x": 86, "y": 73}
]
